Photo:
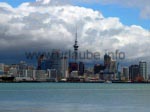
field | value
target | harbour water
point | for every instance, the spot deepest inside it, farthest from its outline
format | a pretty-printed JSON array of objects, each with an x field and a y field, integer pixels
[{"x": 74, "y": 97}]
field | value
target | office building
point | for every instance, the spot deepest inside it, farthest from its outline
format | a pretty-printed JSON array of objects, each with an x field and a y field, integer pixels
[
  {"x": 53, "y": 62},
  {"x": 73, "y": 67},
  {"x": 41, "y": 75},
  {"x": 46, "y": 64},
  {"x": 107, "y": 61},
  {"x": 125, "y": 72},
  {"x": 1, "y": 69},
  {"x": 64, "y": 67},
  {"x": 40, "y": 60},
  {"x": 81, "y": 68},
  {"x": 13, "y": 71},
  {"x": 52, "y": 74},
  {"x": 98, "y": 68},
  {"x": 133, "y": 72},
  {"x": 143, "y": 70},
  {"x": 113, "y": 69},
  {"x": 56, "y": 62},
  {"x": 6, "y": 69},
  {"x": 74, "y": 74}
]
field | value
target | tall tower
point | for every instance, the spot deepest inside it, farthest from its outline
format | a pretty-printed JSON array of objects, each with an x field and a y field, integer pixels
[{"x": 76, "y": 46}]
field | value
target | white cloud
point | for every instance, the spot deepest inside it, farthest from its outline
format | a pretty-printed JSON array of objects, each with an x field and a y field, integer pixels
[
  {"x": 44, "y": 1},
  {"x": 36, "y": 26}
]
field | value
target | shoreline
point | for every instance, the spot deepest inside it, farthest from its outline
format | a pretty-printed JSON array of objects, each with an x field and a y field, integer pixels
[{"x": 76, "y": 82}]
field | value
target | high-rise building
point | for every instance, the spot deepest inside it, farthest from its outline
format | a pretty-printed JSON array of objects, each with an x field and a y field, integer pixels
[
  {"x": 81, "y": 68},
  {"x": 45, "y": 64},
  {"x": 23, "y": 65},
  {"x": 143, "y": 70},
  {"x": 125, "y": 72},
  {"x": 40, "y": 59},
  {"x": 113, "y": 66},
  {"x": 21, "y": 69},
  {"x": 53, "y": 62},
  {"x": 107, "y": 61},
  {"x": 98, "y": 68},
  {"x": 113, "y": 69},
  {"x": 56, "y": 62},
  {"x": 73, "y": 67},
  {"x": 64, "y": 66},
  {"x": 133, "y": 72},
  {"x": 1, "y": 69}
]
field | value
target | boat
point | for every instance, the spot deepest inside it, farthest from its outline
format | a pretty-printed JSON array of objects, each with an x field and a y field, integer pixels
[
  {"x": 7, "y": 78},
  {"x": 108, "y": 81}
]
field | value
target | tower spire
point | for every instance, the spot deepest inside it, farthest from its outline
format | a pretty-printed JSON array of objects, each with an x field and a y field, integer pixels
[{"x": 76, "y": 45}]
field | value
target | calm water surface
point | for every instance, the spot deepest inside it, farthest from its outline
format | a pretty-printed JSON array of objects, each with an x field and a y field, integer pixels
[{"x": 74, "y": 97}]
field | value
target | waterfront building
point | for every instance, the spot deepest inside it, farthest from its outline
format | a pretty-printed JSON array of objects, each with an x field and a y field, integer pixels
[
  {"x": 52, "y": 74},
  {"x": 133, "y": 72},
  {"x": 13, "y": 71},
  {"x": 74, "y": 74},
  {"x": 73, "y": 67},
  {"x": 21, "y": 69},
  {"x": 143, "y": 70},
  {"x": 26, "y": 76},
  {"x": 88, "y": 72},
  {"x": 41, "y": 75},
  {"x": 52, "y": 62},
  {"x": 1, "y": 69},
  {"x": 6, "y": 69},
  {"x": 56, "y": 62},
  {"x": 113, "y": 66},
  {"x": 107, "y": 61},
  {"x": 98, "y": 68},
  {"x": 29, "y": 73},
  {"x": 46, "y": 64},
  {"x": 125, "y": 72},
  {"x": 108, "y": 76},
  {"x": 81, "y": 68},
  {"x": 113, "y": 69},
  {"x": 22, "y": 65},
  {"x": 64, "y": 67},
  {"x": 40, "y": 60}
]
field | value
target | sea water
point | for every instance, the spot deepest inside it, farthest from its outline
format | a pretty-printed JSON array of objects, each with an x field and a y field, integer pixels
[{"x": 74, "y": 97}]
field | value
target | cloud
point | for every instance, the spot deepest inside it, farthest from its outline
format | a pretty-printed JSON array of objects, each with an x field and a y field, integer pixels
[
  {"x": 43, "y": 25},
  {"x": 44, "y": 1}
]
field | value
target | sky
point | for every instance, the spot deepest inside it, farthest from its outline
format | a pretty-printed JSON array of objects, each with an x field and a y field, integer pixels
[{"x": 40, "y": 25}]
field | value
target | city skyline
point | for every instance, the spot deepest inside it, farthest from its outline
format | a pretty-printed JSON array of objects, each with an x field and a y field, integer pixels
[
  {"x": 54, "y": 69},
  {"x": 74, "y": 55}
]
